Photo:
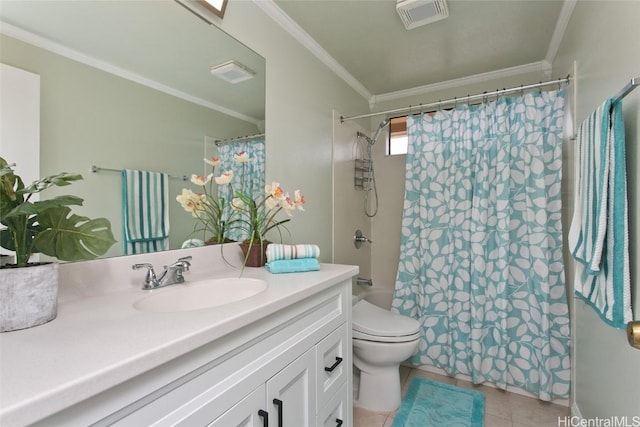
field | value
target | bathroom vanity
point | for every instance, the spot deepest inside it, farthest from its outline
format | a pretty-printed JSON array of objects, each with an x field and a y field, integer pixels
[{"x": 279, "y": 357}]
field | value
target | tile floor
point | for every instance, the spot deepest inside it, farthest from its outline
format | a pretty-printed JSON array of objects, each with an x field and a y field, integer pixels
[{"x": 502, "y": 409}]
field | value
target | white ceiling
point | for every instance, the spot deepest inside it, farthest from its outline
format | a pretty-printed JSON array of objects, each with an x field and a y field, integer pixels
[{"x": 368, "y": 40}]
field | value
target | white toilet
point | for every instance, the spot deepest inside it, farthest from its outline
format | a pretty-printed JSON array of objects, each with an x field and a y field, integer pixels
[{"x": 381, "y": 341}]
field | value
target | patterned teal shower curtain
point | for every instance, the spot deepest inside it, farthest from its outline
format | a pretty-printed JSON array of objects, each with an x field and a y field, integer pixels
[
  {"x": 481, "y": 249},
  {"x": 251, "y": 180}
]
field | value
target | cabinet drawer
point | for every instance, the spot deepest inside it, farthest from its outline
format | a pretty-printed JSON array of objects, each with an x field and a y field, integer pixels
[
  {"x": 246, "y": 413},
  {"x": 337, "y": 412},
  {"x": 332, "y": 363}
]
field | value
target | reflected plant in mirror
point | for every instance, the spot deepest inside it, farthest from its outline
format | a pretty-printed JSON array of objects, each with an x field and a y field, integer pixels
[{"x": 213, "y": 219}]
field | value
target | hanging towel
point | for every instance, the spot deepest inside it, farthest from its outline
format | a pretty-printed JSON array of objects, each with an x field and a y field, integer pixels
[
  {"x": 293, "y": 265},
  {"x": 598, "y": 237},
  {"x": 276, "y": 251},
  {"x": 145, "y": 211}
]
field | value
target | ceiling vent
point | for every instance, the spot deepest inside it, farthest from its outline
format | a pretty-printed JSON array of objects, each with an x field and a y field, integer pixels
[
  {"x": 232, "y": 71},
  {"x": 415, "y": 13}
]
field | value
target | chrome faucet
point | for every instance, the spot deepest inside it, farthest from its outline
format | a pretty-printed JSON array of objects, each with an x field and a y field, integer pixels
[{"x": 171, "y": 275}]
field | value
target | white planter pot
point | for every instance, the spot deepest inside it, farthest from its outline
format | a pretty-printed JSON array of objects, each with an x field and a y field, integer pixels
[{"x": 28, "y": 296}]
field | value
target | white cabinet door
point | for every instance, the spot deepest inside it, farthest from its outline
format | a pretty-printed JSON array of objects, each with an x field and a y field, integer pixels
[
  {"x": 249, "y": 412},
  {"x": 291, "y": 393}
]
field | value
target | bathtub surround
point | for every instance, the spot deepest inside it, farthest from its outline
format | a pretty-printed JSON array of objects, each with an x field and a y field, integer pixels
[{"x": 481, "y": 255}]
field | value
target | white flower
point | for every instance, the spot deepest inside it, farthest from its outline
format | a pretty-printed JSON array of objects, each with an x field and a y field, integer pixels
[
  {"x": 237, "y": 204},
  {"x": 191, "y": 202},
  {"x": 298, "y": 200},
  {"x": 274, "y": 190},
  {"x": 287, "y": 204},
  {"x": 225, "y": 178},
  {"x": 201, "y": 180},
  {"x": 241, "y": 157},
  {"x": 214, "y": 161}
]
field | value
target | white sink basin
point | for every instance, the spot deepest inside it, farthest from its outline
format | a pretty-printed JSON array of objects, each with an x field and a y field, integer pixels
[{"x": 200, "y": 294}]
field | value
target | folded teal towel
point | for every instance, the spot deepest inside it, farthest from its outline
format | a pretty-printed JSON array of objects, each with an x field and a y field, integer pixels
[
  {"x": 276, "y": 251},
  {"x": 293, "y": 265}
]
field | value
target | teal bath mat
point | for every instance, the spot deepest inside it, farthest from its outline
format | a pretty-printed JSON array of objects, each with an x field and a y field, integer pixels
[{"x": 433, "y": 404}]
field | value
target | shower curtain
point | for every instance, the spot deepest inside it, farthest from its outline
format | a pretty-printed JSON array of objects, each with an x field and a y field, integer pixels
[
  {"x": 250, "y": 179},
  {"x": 481, "y": 248}
]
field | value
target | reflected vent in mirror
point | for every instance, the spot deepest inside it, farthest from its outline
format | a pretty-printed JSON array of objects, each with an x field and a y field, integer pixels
[{"x": 232, "y": 71}]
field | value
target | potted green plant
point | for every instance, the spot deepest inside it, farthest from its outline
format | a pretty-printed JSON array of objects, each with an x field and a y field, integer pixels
[
  {"x": 29, "y": 290},
  {"x": 260, "y": 216}
]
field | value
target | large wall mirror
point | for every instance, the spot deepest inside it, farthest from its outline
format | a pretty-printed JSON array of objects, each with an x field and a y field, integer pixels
[{"x": 128, "y": 85}]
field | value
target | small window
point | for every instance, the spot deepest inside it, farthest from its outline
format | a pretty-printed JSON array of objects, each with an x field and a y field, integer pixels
[{"x": 398, "y": 141}]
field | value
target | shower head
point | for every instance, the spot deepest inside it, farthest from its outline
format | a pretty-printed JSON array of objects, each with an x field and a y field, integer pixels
[{"x": 383, "y": 124}]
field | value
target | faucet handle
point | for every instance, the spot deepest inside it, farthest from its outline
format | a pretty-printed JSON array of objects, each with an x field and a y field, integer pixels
[{"x": 150, "y": 278}]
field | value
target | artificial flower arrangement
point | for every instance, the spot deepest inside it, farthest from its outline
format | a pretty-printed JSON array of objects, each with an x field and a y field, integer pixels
[{"x": 254, "y": 217}]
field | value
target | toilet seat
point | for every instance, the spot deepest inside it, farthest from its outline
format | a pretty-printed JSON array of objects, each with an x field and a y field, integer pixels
[{"x": 372, "y": 323}]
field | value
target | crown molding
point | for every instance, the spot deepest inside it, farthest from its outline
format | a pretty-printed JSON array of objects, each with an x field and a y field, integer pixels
[
  {"x": 540, "y": 66},
  {"x": 561, "y": 27},
  {"x": 59, "y": 49},
  {"x": 544, "y": 66},
  {"x": 301, "y": 36}
]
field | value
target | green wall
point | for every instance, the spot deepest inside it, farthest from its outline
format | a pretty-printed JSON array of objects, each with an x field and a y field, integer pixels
[
  {"x": 90, "y": 117},
  {"x": 603, "y": 38}
]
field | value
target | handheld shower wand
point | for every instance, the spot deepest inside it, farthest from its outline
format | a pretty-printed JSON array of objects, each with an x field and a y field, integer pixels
[{"x": 371, "y": 143}]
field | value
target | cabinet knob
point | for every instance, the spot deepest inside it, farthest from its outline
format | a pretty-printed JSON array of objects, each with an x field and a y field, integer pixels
[{"x": 334, "y": 366}]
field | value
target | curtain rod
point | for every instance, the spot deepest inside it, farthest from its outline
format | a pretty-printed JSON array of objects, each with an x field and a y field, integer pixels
[
  {"x": 463, "y": 99},
  {"x": 220, "y": 142},
  {"x": 96, "y": 169}
]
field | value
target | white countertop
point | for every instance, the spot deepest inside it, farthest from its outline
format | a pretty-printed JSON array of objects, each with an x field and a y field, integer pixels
[{"x": 99, "y": 340}]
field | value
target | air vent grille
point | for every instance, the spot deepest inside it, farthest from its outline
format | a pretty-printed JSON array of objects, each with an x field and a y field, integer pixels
[
  {"x": 415, "y": 13},
  {"x": 232, "y": 71}
]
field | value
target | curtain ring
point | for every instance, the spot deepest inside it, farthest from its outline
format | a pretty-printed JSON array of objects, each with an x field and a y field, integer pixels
[
  {"x": 540, "y": 88},
  {"x": 421, "y": 109},
  {"x": 468, "y": 100},
  {"x": 439, "y": 104},
  {"x": 521, "y": 90},
  {"x": 485, "y": 98},
  {"x": 455, "y": 102}
]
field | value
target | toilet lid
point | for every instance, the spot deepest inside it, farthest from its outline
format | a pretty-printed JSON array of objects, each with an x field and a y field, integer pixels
[{"x": 373, "y": 320}]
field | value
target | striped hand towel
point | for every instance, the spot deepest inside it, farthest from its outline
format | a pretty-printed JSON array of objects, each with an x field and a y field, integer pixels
[
  {"x": 276, "y": 251},
  {"x": 598, "y": 237},
  {"x": 292, "y": 265},
  {"x": 145, "y": 211}
]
